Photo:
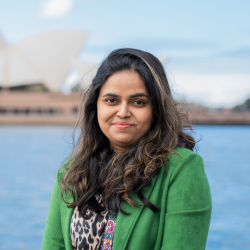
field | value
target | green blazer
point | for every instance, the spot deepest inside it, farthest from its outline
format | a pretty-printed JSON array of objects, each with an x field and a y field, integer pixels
[{"x": 183, "y": 196}]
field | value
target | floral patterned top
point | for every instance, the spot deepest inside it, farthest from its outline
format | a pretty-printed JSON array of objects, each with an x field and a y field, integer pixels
[{"x": 108, "y": 234}]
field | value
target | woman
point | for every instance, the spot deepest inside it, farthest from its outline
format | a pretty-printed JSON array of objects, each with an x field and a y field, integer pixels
[{"x": 133, "y": 181}]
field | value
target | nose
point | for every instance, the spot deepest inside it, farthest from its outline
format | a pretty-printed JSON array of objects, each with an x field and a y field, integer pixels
[{"x": 123, "y": 111}]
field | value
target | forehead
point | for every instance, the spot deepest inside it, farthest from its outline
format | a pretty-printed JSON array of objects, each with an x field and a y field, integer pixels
[{"x": 124, "y": 83}]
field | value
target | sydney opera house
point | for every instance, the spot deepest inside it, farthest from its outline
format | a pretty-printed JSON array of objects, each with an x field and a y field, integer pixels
[{"x": 32, "y": 73}]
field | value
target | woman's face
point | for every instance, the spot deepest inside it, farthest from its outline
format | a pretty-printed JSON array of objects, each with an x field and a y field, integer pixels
[{"x": 124, "y": 109}]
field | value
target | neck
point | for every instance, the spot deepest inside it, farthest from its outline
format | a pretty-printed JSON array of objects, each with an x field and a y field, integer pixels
[{"x": 117, "y": 148}]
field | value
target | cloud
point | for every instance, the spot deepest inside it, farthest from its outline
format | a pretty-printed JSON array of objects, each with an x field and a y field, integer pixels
[
  {"x": 55, "y": 8},
  {"x": 214, "y": 90}
]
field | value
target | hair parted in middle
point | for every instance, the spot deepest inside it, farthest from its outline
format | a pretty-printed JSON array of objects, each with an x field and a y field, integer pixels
[{"x": 94, "y": 169}]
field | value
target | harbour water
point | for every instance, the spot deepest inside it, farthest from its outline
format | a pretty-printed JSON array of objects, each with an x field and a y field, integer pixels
[{"x": 30, "y": 157}]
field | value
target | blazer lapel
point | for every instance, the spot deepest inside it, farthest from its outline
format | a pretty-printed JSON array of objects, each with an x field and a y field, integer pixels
[{"x": 125, "y": 223}]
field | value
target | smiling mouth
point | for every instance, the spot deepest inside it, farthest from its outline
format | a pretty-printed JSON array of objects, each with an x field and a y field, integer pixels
[{"x": 123, "y": 125}]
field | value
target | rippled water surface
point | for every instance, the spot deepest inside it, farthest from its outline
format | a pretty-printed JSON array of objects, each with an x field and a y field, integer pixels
[{"x": 30, "y": 157}]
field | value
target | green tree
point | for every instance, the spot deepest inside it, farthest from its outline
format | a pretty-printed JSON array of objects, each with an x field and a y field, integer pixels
[{"x": 245, "y": 107}]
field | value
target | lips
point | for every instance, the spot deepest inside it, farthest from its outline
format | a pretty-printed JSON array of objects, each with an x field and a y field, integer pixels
[{"x": 123, "y": 125}]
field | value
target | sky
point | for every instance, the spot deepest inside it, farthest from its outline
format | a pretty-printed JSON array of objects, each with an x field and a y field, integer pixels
[{"x": 207, "y": 43}]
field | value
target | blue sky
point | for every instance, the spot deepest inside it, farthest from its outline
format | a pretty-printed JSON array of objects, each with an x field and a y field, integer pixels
[{"x": 207, "y": 42}]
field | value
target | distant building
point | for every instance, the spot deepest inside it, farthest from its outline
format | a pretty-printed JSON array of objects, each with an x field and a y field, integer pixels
[
  {"x": 32, "y": 73},
  {"x": 21, "y": 107},
  {"x": 40, "y": 62}
]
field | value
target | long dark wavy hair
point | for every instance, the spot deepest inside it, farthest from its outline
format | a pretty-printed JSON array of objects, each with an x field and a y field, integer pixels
[{"x": 94, "y": 169}]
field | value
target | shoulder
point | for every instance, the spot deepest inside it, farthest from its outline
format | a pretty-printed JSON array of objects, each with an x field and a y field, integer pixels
[
  {"x": 64, "y": 168},
  {"x": 183, "y": 156},
  {"x": 60, "y": 174},
  {"x": 187, "y": 181},
  {"x": 185, "y": 164},
  {"x": 59, "y": 182}
]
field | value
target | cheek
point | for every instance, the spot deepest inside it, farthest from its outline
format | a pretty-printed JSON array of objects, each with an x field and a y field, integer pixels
[
  {"x": 145, "y": 118},
  {"x": 104, "y": 115}
]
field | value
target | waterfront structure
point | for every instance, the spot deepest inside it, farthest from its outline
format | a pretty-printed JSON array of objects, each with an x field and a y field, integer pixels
[
  {"x": 38, "y": 108},
  {"x": 32, "y": 73},
  {"x": 42, "y": 60}
]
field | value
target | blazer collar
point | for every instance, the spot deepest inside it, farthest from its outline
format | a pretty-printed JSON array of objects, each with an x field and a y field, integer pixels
[{"x": 125, "y": 223}]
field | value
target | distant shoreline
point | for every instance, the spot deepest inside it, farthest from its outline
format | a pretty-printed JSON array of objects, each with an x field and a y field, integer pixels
[
  {"x": 41, "y": 108},
  {"x": 220, "y": 118},
  {"x": 196, "y": 119}
]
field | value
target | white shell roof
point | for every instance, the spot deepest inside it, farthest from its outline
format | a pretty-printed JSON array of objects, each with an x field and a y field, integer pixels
[
  {"x": 43, "y": 58},
  {"x": 86, "y": 71}
]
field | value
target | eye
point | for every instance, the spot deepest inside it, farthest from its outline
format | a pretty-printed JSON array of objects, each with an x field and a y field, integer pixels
[
  {"x": 110, "y": 100},
  {"x": 139, "y": 102}
]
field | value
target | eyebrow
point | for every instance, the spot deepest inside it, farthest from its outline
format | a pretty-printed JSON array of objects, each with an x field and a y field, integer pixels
[{"x": 131, "y": 96}]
